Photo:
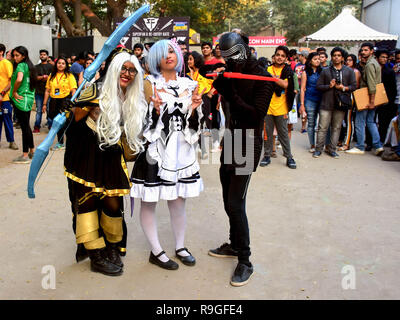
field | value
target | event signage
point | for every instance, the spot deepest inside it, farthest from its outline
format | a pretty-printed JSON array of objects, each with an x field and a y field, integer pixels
[
  {"x": 262, "y": 41},
  {"x": 161, "y": 27}
]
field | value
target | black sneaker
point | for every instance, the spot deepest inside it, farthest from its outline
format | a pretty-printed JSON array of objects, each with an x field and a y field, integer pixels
[
  {"x": 291, "y": 163},
  {"x": 317, "y": 154},
  {"x": 265, "y": 161},
  {"x": 224, "y": 251},
  {"x": 242, "y": 275},
  {"x": 334, "y": 155}
]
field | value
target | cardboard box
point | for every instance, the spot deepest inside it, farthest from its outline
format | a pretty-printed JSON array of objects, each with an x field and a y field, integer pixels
[{"x": 361, "y": 97}]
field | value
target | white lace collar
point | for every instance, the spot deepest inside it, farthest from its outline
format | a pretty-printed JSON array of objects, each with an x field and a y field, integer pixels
[{"x": 179, "y": 85}]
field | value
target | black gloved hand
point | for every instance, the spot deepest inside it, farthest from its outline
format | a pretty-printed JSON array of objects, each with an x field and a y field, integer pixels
[
  {"x": 67, "y": 105},
  {"x": 225, "y": 87}
]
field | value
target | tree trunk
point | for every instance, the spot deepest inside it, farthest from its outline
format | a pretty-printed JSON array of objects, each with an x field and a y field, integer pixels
[
  {"x": 102, "y": 26},
  {"x": 78, "y": 14},
  {"x": 115, "y": 9},
  {"x": 65, "y": 21}
]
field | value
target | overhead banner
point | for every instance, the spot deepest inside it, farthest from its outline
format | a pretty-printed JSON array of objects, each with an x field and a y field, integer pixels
[
  {"x": 262, "y": 41},
  {"x": 162, "y": 27}
]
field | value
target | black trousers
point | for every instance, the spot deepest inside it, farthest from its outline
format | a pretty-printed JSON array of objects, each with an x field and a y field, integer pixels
[
  {"x": 234, "y": 191},
  {"x": 27, "y": 136},
  {"x": 216, "y": 118},
  {"x": 385, "y": 114},
  {"x": 55, "y": 107}
]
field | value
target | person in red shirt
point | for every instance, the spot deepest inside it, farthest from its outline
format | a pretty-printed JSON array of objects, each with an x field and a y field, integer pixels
[{"x": 209, "y": 59}]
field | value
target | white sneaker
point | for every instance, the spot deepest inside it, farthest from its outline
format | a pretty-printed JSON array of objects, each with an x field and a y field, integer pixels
[
  {"x": 216, "y": 147},
  {"x": 355, "y": 151},
  {"x": 312, "y": 150},
  {"x": 379, "y": 151}
]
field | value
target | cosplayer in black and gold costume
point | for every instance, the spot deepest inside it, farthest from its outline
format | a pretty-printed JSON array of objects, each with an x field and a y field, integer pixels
[{"x": 109, "y": 111}]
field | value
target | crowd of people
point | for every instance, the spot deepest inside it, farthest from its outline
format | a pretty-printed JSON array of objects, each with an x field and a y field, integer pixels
[{"x": 154, "y": 104}]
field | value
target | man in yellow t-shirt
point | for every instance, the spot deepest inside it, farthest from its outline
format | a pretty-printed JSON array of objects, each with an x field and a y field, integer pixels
[
  {"x": 278, "y": 108},
  {"x": 6, "y": 70}
]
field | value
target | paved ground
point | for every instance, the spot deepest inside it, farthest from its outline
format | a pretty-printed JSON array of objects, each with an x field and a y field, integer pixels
[{"x": 307, "y": 226}]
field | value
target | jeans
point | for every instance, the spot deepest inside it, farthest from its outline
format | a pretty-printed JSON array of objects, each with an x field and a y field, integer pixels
[
  {"x": 234, "y": 191},
  {"x": 39, "y": 105},
  {"x": 366, "y": 117},
  {"x": 329, "y": 119},
  {"x": 397, "y": 150},
  {"x": 6, "y": 117},
  {"x": 312, "y": 108}
]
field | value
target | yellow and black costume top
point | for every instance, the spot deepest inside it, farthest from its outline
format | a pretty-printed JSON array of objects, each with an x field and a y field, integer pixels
[{"x": 104, "y": 171}]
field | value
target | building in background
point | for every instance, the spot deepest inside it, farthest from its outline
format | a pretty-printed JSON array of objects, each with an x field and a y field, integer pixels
[{"x": 382, "y": 15}]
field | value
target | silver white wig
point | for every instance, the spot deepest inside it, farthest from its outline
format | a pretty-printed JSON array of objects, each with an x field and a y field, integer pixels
[{"x": 115, "y": 110}]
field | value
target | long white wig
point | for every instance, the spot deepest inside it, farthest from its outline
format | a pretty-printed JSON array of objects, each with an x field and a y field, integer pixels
[{"x": 115, "y": 110}]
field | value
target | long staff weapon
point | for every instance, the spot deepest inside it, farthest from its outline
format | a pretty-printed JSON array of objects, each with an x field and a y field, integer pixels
[{"x": 43, "y": 150}]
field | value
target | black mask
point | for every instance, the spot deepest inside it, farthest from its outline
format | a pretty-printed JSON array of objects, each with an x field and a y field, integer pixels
[{"x": 233, "y": 48}]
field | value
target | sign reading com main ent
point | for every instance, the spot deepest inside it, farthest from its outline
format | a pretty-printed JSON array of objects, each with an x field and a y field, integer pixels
[{"x": 262, "y": 41}]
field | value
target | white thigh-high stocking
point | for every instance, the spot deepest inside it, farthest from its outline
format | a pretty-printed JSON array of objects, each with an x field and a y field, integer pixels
[
  {"x": 148, "y": 222},
  {"x": 178, "y": 222}
]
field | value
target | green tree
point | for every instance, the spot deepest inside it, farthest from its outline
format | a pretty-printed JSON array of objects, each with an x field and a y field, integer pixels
[
  {"x": 252, "y": 16},
  {"x": 302, "y": 17}
]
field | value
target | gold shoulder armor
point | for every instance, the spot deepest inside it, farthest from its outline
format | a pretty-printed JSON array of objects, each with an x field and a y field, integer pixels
[{"x": 88, "y": 95}]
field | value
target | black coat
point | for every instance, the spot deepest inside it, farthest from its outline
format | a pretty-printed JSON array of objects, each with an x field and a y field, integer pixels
[
  {"x": 287, "y": 73},
  {"x": 248, "y": 102},
  {"x": 389, "y": 82},
  {"x": 328, "y": 94}
]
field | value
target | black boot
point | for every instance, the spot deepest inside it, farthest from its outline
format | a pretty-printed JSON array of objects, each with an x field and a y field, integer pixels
[
  {"x": 113, "y": 254},
  {"x": 81, "y": 253},
  {"x": 100, "y": 263}
]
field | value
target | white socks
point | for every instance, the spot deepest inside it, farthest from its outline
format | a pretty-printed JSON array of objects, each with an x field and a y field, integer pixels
[
  {"x": 148, "y": 222},
  {"x": 178, "y": 223}
]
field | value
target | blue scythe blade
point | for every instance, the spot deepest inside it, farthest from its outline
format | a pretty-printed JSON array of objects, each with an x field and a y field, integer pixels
[{"x": 43, "y": 150}]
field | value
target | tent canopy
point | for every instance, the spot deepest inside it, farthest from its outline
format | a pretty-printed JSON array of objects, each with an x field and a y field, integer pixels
[{"x": 345, "y": 27}]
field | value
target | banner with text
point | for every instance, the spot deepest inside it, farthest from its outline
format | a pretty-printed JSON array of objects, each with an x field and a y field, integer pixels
[
  {"x": 262, "y": 41},
  {"x": 162, "y": 27}
]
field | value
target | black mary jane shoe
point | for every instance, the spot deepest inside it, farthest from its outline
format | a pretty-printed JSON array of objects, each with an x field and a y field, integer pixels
[
  {"x": 169, "y": 265},
  {"x": 188, "y": 260}
]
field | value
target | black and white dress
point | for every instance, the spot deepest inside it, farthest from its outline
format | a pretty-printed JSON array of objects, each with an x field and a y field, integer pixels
[{"x": 168, "y": 168}]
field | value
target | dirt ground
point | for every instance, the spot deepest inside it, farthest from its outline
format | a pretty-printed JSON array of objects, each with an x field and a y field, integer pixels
[{"x": 308, "y": 228}]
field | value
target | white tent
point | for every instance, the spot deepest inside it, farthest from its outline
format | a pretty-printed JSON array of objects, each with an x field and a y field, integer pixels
[{"x": 346, "y": 28}]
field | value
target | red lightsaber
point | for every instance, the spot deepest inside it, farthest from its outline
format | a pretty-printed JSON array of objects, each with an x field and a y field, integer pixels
[{"x": 238, "y": 75}]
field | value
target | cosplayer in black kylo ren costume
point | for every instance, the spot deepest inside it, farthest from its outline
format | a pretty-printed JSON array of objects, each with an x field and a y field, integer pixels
[{"x": 246, "y": 106}]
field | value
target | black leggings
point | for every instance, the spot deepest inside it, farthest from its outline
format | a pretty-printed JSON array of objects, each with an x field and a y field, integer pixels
[
  {"x": 27, "y": 136},
  {"x": 234, "y": 191},
  {"x": 55, "y": 107}
]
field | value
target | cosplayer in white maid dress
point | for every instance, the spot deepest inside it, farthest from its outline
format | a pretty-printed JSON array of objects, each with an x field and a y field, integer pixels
[{"x": 168, "y": 168}]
